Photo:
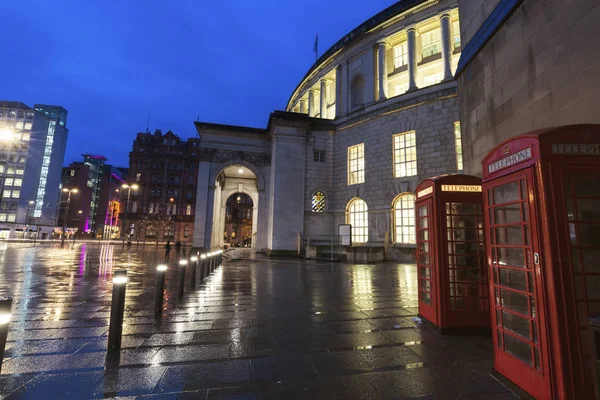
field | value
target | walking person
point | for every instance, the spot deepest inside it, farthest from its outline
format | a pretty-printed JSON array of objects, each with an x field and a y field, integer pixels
[
  {"x": 178, "y": 249},
  {"x": 167, "y": 250}
]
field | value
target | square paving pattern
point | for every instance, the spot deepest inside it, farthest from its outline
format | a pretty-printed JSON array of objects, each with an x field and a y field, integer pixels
[{"x": 255, "y": 329}]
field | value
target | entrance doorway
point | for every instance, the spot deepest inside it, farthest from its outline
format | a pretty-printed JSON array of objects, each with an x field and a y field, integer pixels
[{"x": 238, "y": 221}]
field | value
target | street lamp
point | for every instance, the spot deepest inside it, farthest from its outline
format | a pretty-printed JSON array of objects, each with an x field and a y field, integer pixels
[
  {"x": 69, "y": 191},
  {"x": 134, "y": 186}
]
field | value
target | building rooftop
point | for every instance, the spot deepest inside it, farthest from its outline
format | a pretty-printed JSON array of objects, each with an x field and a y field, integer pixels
[
  {"x": 13, "y": 104},
  {"x": 231, "y": 128}
]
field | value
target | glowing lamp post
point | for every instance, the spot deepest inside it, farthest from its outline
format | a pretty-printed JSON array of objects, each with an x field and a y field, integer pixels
[
  {"x": 69, "y": 191},
  {"x": 181, "y": 282},
  {"x": 125, "y": 232},
  {"x": 161, "y": 273},
  {"x": 203, "y": 273}
]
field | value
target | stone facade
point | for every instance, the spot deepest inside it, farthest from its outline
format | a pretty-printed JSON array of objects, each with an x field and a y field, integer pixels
[{"x": 541, "y": 68}]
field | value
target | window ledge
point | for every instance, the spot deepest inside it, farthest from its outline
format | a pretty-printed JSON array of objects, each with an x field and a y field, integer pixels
[
  {"x": 431, "y": 58},
  {"x": 398, "y": 70},
  {"x": 403, "y": 246}
]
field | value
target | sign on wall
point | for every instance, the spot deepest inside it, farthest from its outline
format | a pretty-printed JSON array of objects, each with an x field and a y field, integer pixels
[{"x": 345, "y": 232}]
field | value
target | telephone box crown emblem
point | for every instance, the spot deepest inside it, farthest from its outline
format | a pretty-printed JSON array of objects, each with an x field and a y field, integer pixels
[{"x": 506, "y": 149}]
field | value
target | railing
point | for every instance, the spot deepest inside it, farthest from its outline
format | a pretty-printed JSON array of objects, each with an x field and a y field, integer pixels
[{"x": 325, "y": 247}]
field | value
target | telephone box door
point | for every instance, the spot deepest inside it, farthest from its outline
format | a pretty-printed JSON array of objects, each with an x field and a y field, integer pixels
[
  {"x": 425, "y": 261},
  {"x": 514, "y": 267}
]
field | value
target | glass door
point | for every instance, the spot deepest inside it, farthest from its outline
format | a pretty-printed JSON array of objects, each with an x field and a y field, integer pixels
[
  {"x": 425, "y": 261},
  {"x": 512, "y": 257}
]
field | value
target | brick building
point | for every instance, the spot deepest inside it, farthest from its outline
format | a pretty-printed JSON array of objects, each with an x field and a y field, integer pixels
[{"x": 164, "y": 166}]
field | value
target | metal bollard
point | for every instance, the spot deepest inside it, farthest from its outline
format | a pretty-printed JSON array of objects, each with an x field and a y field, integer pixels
[
  {"x": 193, "y": 259},
  {"x": 181, "y": 282},
  {"x": 213, "y": 258},
  {"x": 5, "y": 313},
  {"x": 159, "y": 297},
  {"x": 202, "y": 267},
  {"x": 208, "y": 264},
  {"x": 117, "y": 310}
]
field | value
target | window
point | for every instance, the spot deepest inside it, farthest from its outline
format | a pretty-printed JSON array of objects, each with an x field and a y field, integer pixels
[
  {"x": 188, "y": 209},
  {"x": 164, "y": 141},
  {"x": 400, "y": 55},
  {"x": 456, "y": 35},
  {"x": 138, "y": 177},
  {"x": 159, "y": 192},
  {"x": 16, "y": 194},
  {"x": 170, "y": 193},
  {"x": 18, "y": 182},
  {"x": 72, "y": 172},
  {"x": 172, "y": 166},
  {"x": 178, "y": 166},
  {"x": 134, "y": 207},
  {"x": 19, "y": 125},
  {"x": 174, "y": 209},
  {"x": 318, "y": 201},
  {"x": 8, "y": 181},
  {"x": 405, "y": 155},
  {"x": 192, "y": 166},
  {"x": 175, "y": 193},
  {"x": 12, "y": 158},
  {"x": 6, "y": 193},
  {"x": 25, "y": 137},
  {"x": 458, "y": 143},
  {"x": 357, "y": 216},
  {"x": 190, "y": 180},
  {"x": 22, "y": 160},
  {"x": 356, "y": 164},
  {"x": 28, "y": 126},
  {"x": 153, "y": 179},
  {"x": 431, "y": 43},
  {"x": 171, "y": 180},
  {"x": 432, "y": 79},
  {"x": 2, "y": 217},
  {"x": 177, "y": 180},
  {"x": 11, "y": 217},
  {"x": 153, "y": 192},
  {"x": 154, "y": 164},
  {"x": 12, "y": 113},
  {"x": 19, "y": 170},
  {"x": 319, "y": 156},
  {"x": 358, "y": 92},
  {"x": 189, "y": 195},
  {"x": 404, "y": 219},
  {"x": 1, "y": 169}
]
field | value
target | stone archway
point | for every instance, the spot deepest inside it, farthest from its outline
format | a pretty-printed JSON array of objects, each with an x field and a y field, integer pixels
[{"x": 233, "y": 178}]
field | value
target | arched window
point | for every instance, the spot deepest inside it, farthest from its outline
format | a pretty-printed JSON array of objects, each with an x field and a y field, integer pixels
[
  {"x": 358, "y": 92},
  {"x": 188, "y": 209},
  {"x": 153, "y": 178},
  {"x": 154, "y": 164},
  {"x": 178, "y": 166},
  {"x": 357, "y": 215},
  {"x": 151, "y": 231},
  {"x": 170, "y": 180},
  {"x": 318, "y": 201},
  {"x": 404, "y": 218}
]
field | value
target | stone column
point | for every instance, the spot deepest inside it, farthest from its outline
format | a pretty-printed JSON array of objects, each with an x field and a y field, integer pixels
[
  {"x": 339, "y": 100},
  {"x": 311, "y": 103},
  {"x": 412, "y": 58},
  {"x": 446, "y": 45},
  {"x": 323, "y": 98},
  {"x": 302, "y": 106},
  {"x": 382, "y": 71}
]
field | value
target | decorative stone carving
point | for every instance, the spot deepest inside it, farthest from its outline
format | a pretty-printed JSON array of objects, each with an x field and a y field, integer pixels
[{"x": 220, "y": 156}]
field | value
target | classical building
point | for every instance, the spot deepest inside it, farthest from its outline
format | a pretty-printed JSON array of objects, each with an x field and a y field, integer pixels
[
  {"x": 527, "y": 65},
  {"x": 377, "y": 113},
  {"x": 164, "y": 167},
  {"x": 32, "y": 150}
]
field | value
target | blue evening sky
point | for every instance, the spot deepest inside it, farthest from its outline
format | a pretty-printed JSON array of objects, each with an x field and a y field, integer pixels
[{"x": 107, "y": 62}]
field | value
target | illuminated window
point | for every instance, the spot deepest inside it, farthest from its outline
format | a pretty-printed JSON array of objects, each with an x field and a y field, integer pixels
[
  {"x": 26, "y": 137},
  {"x": 151, "y": 208},
  {"x": 19, "y": 125},
  {"x": 356, "y": 164},
  {"x": 431, "y": 43},
  {"x": 1, "y": 169},
  {"x": 28, "y": 126},
  {"x": 8, "y": 181},
  {"x": 188, "y": 209},
  {"x": 458, "y": 142},
  {"x": 22, "y": 160},
  {"x": 138, "y": 177},
  {"x": 405, "y": 155},
  {"x": 358, "y": 216},
  {"x": 358, "y": 92},
  {"x": 18, "y": 182},
  {"x": 456, "y": 34},
  {"x": 404, "y": 219},
  {"x": 318, "y": 201},
  {"x": 11, "y": 217},
  {"x": 174, "y": 209},
  {"x": 6, "y": 193},
  {"x": 432, "y": 79},
  {"x": 134, "y": 207},
  {"x": 400, "y": 55},
  {"x": 2, "y": 217},
  {"x": 19, "y": 170},
  {"x": 16, "y": 194}
]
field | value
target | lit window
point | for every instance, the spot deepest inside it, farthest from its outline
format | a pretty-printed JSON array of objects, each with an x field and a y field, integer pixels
[
  {"x": 19, "y": 170},
  {"x": 138, "y": 177},
  {"x": 458, "y": 142},
  {"x": 151, "y": 208},
  {"x": 12, "y": 113},
  {"x": 16, "y": 194},
  {"x": 18, "y": 182},
  {"x": 404, "y": 219},
  {"x": 358, "y": 217},
  {"x": 11, "y": 217},
  {"x": 19, "y": 125},
  {"x": 400, "y": 55},
  {"x": 405, "y": 155},
  {"x": 8, "y": 181},
  {"x": 72, "y": 172},
  {"x": 2, "y": 217},
  {"x": 431, "y": 43},
  {"x": 456, "y": 34},
  {"x": 6, "y": 193},
  {"x": 174, "y": 209},
  {"x": 28, "y": 126},
  {"x": 356, "y": 164},
  {"x": 188, "y": 209},
  {"x": 25, "y": 137},
  {"x": 22, "y": 160},
  {"x": 432, "y": 79},
  {"x": 1, "y": 169},
  {"x": 318, "y": 201}
]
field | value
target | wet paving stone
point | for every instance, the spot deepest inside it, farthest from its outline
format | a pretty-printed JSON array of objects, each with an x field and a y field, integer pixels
[{"x": 255, "y": 329}]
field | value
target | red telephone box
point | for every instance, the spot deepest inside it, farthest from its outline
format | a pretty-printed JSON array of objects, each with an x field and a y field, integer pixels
[
  {"x": 453, "y": 282},
  {"x": 542, "y": 215}
]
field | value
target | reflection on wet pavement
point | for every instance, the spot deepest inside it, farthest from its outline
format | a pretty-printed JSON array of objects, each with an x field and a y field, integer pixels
[{"x": 255, "y": 329}]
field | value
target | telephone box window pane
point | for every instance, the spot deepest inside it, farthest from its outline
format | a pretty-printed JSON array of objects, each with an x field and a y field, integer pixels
[
  {"x": 592, "y": 287},
  {"x": 586, "y": 185},
  {"x": 424, "y": 235},
  {"x": 468, "y": 262},
  {"x": 589, "y": 234},
  {"x": 591, "y": 260},
  {"x": 424, "y": 247},
  {"x": 514, "y": 301},
  {"x": 523, "y": 190},
  {"x": 464, "y": 221},
  {"x": 506, "y": 193},
  {"x": 425, "y": 272},
  {"x": 499, "y": 334},
  {"x": 537, "y": 358},
  {"x": 531, "y": 283},
  {"x": 509, "y": 214},
  {"x": 518, "y": 348},
  {"x": 423, "y": 223},
  {"x": 578, "y": 282},
  {"x": 534, "y": 330},
  {"x": 514, "y": 257},
  {"x": 423, "y": 211},
  {"x": 498, "y": 320},
  {"x": 513, "y": 279},
  {"x": 423, "y": 259},
  {"x": 509, "y": 235},
  {"x": 515, "y": 324},
  {"x": 425, "y": 298},
  {"x": 461, "y": 208}
]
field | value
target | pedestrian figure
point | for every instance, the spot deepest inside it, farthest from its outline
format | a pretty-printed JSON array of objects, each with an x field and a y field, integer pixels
[
  {"x": 167, "y": 250},
  {"x": 178, "y": 248},
  {"x": 184, "y": 250}
]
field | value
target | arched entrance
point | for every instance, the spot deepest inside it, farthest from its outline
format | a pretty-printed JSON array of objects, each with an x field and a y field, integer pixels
[
  {"x": 238, "y": 220},
  {"x": 233, "y": 182}
]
